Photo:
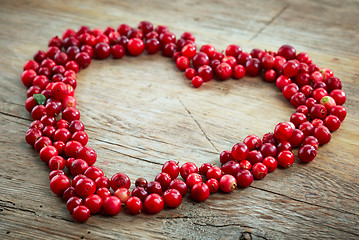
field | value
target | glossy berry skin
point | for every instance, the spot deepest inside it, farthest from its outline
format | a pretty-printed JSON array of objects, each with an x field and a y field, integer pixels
[
  {"x": 180, "y": 185},
  {"x": 213, "y": 185},
  {"x": 254, "y": 156},
  {"x": 172, "y": 198},
  {"x": 81, "y": 213},
  {"x": 141, "y": 182},
  {"x": 123, "y": 194},
  {"x": 240, "y": 151},
  {"x": 188, "y": 168},
  {"x": 290, "y": 68},
  {"x": 253, "y": 67},
  {"x": 223, "y": 71},
  {"x": 205, "y": 72},
  {"x": 197, "y": 81},
  {"x": 112, "y": 205},
  {"x": 192, "y": 179},
  {"x": 204, "y": 168},
  {"x": 46, "y": 153},
  {"x": 268, "y": 149},
  {"x": 135, "y": 46},
  {"x": 57, "y": 163},
  {"x": 93, "y": 172},
  {"x": 164, "y": 179},
  {"x": 284, "y": 146},
  {"x": 78, "y": 166},
  {"x": 182, "y": 63},
  {"x": 332, "y": 122},
  {"x": 323, "y": 134},
  {"x": 231, "y": 167},
  {"x": 94, "y": 203},
  {"x": 307, "y": 153},
  {"x": 119, "y": 180},
  {"x": 283, "y": 131},
  {"x": 287, "y": 51},
  {"x": 172, "y": 168},
  {"x": 244, "y": 178},
  {"x": 153, "y": 203},
  {"x": 253, "y": 142},
  {"x": 59, "y": 183},
  {"x": 154, "y": 187},
  {"x": 214, "y": 172},
  {"x": 285, "y": 159},
  {"x": 271, "y": 163},
  {"x": 200, "y": 192},
  {"x": 85, "y": 187},
  {"x": 87, "y": 154},
  {"x": 101, "y": 182},
  {"x": 227, "y": 183},
  {"x": 245, "y": 164},
  {"x": 259, "y": 170},
  {"x": 339, "y": 111},
  {"x": 225, "y": 156},
  {"x": 134, "y": 205}
]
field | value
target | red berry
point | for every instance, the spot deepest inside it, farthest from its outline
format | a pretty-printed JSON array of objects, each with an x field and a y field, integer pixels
[
  {"x": 190, "y": 73},
  {"x": 285, "y": 159},
  {"x": 205, "y": 72},
  {"x": 290, "y": 68},
  {"x": 57, "y": 163},
  {"x": 287, "y": 51},
  {"x": 93, "y": 172},
  {"x": 253, "y": 67},
  {"x": 259, "y": 170},
  {"x": 231, "y": 167},
  {"x": 134, "y": 205},
  {"x": 197, "y": 81},
  {"x": 268, "y": 149},
  {"x": 271, "y": 163},
  {"x": 112, "y": 205},
  {"x": 87, "y": 154},
  {"x": 47, "y": 152},
  {"x": 135, "y": 46},
  {"x": 119, "y": 180},
  {"x": 154, "y": 187},
  {"x": 245, "y": 164},
  {"x": 332, "y": 122},
  {"x": 228, "y": 183},
  {"x": 233, "y": 50},
  {"x": 85, "y": 187},
  {"x": 214, "y": 172},
  {"x": 172, "y": 198},
  {"x": 283, "y": 131},
  {"x": 223, "y": 71},
  {"x": 323, "y": 135},
  {"x": 244, "y": 178},
  {"x": 239, "y": 71},
  {"x": 59, "y": 183},
  {"x": 180, "y": 185},
  {"x": 240, "y": 151},
  {"x": 188, "y": 168},
  {"x": 204, "y": 168},
  {"x": 94, "y": 203},
  {"x": 123, "y": 194},
  {"x": 182, "y": 63},
  {"x": 339, "y": 96},
  {"x": 192, "y": 179},
  {"x": 200, "y": 192},
  {"x": 307, "y": 153},
  {"x": 153, "y": 203},
  {"x": 78, "y": 166},
  {"x": 225, "y": 156},
  {"x": 141, "y": 182},
  {"x": 81, "y": 213},
  {"x": 164, "y": 179}
]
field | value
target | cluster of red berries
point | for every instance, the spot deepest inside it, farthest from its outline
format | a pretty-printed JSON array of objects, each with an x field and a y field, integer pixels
[{"x": 59, "y": 136}]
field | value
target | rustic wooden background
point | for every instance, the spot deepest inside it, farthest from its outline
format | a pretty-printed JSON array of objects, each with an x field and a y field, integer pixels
[{"x": 140, "y": 112}]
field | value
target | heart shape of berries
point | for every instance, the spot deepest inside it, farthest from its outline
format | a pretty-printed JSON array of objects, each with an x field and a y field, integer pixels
[{"x": 59, "y": 136}]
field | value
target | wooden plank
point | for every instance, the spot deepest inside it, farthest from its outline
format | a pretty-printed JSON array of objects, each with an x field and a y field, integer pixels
[{"x": 140, "y": 112}]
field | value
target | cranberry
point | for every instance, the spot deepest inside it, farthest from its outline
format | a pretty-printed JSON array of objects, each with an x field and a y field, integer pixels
[
  {"x": 59, "y": 183},
  {"x": 80, "y": 137},
  {"x": 224, "y": 71},
  {"x": 214, "y": 172},
  {"x": 285, "y": 145},
  {"x": 253, "y": 67},
  {"x": 200, "y": 59},
  {"x": 328, "y": 102},
  {"x": 307, "y": 153},
  {"x": 192, "y": 179},
  {"x": 213, "y": 185},
  {"x": 205, "y": 72},
  {"x": 270, "y": 163},
  {"x": 103, "y": 192},
  {"x": 267, "y": 62},
  {"x": 231, "y": 167},
  {"x": 200, "y": 192},
  {"x": 93, "y": 172},
  {"x": 333, "y": 83},
  {"x": 226, "y": 156},
  {"x": 228, "y": 183},
  {"x": 78, "y": 166},
  {"x": 270, "y": 75},
  {"x": 68, "y": 193},
  {"x": 169, "y": 50},
  {"x": 172, "y": 198},
  {"x": 102, "y": 182},
  {"x": 204, "y": 168},
  {"x": 240, "y": 151},
  {"x": 53, "y": 173},
  {"x": 134, "y": 205},
  {"x": 319, "y": 93},
  {"x": 318, "y": 111},
  {"x": 57, "y": 163},
  {"x": 140, "y": 192},
  {"x": 47, "y": 152},
  {"x": 81, "y": 213},
  {"x": 190, "y": 73},
  {"x": 208, "y": 49},
  {"x": 259, "y": 170},
  {"x": 180, "y": 185},
  {"x": 290, "y": 68},
  {"x": 119, "y": 180},
  {"x": 244, "y": 178},
  {"x": 32, "y": 135},
  {"x": 289, "y": 90},
  {"x": 154, "y": 187},
  {"x": 42, "y": 142},
  {"x": 283, "y": 131},
  {"x": 85, "y": 187},
  {"x": 298, "y": 119},
  {"x": 332, "y": 122},
  {"x": 296, "y": 138},
  {"x": 197, "y": 81},
  {"x": 188, "y": 51},
  {"x": 188, "y": 168},
  {"x": 268, "y": 149},
  {"x": 254, "y": 156},
  {"x": 94, "y": 203},
  {"x": 233, "y": 50},
  {"x": 73, "y": 202},
  {"x": 153, "y": 203},
  {"x": 245, "y": 164},
  {"x": 285, "y": 159},
  {"x": 164, "y": 179},
  {"x": 287, "y": 51},
  {"x": 282, "y": 81},
  {"x": 87, "y": 154},
  {"x": 123, "y": 194},
  {"x": 239, "y": 71},
  {"x": 339, "y": 96},
  {"x": 142, "y": 182},
  {"x": 269, "y": 138},
  {"x": 323, "y": 135},
  {"x": 339, "y": 111},
  {"x": 112, "y": 205}
]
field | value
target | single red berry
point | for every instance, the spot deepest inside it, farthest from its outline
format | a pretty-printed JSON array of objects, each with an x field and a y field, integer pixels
[
  {"x": 73, "y": 202},
  {"x": 188, "y": 168},
  {"x": 307, "y": 153},
  {"x": 47, "y": 152},
  {"x": 297, "y": 138},
  {"x": 205, "y": 72},
  {"x": 85, "y": 187},
  {"x": 339, "y": 96},
  {"x": 244, "y": 178},
  {"x": 180, "y": 185},
  {"x": 214, "y": 172},
  {"x": 283, "y": 131},
  {"x": 154, "y": 187},
  {"x": 290, "y": 68},
  {"x": 227, "y": 183},
  {"x": 188, "y": 51},
  {"x": 285, "y": 159},
  {"x": 153, "y": 203},
  {"x": 135, "y": 46},
  {"x": 197, "y": 81},
  {"x": 53, "y": 173},
  {"x": 223, "y": 71},
  {"x": 41, "y": 143},
  {"x": 311, "y": 140},
  {"x": 239, "y": 71},
  {"x": 164, "y": 179},
  {"x": 323, "y": 134},
  {"x": 190, "y": 73},
  {"x": 119, "y": 180},
  {"x": 88, "y": 154},
  {"x": 271, "y": 163},
  {"x": 123, "y": 194},
  {"x": 81, "y": 214},
  {"x": 233, "y": 50},
  {"x": 94, "y": 203},
  {"x": 287, "y": 51},
  {"x": 225, "y": 156},
  {"x": 112, "y": 205},
  {"x": 282, "y": 81},
  {"x": 268, "y": 149},
  {"x": 231, "y": 167},
  {"x": 68, "y": 193},
  {"x": 204, "y": 168},
  {"x": 245, "y": 164},
  {"x": 332, "y": 122},
  {"x": 57, "y": 163},
  {"x": 134, "y": 205},
  {"x": 253, "y": 67},
  {"x": 93, "y": 172},
  {"x": 77, "y": 166},
  {"x": 172, "y": 198},
  {"x": 142, "y": 182},
  {"x": 259, "y": 170},
  {"x": 213, "y": 185},
  {"x": 32, "y": 135},
  {"x": 172, "y": 168},
  {"x": 200, "y": 192},
  {"x": 182, "y": 63},
  {"x": 285, "y": 145},
  {"x": 192, "y": 179},
  {"x": 240, "y": 151},
  {"x": 254, "y": 156},
  {"x": 59, "y": 183},
  {"x": 200, "y": 59}
]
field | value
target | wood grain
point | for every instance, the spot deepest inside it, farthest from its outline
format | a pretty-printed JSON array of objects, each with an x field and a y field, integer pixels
[{"x": 140, "y": 112}]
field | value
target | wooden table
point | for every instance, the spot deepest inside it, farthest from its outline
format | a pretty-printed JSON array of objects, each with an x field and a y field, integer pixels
[{"x": 140, "y": 112}]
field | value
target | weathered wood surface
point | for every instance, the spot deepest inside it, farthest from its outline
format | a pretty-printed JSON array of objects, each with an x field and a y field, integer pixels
[{"x": 140, "y": 112}]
